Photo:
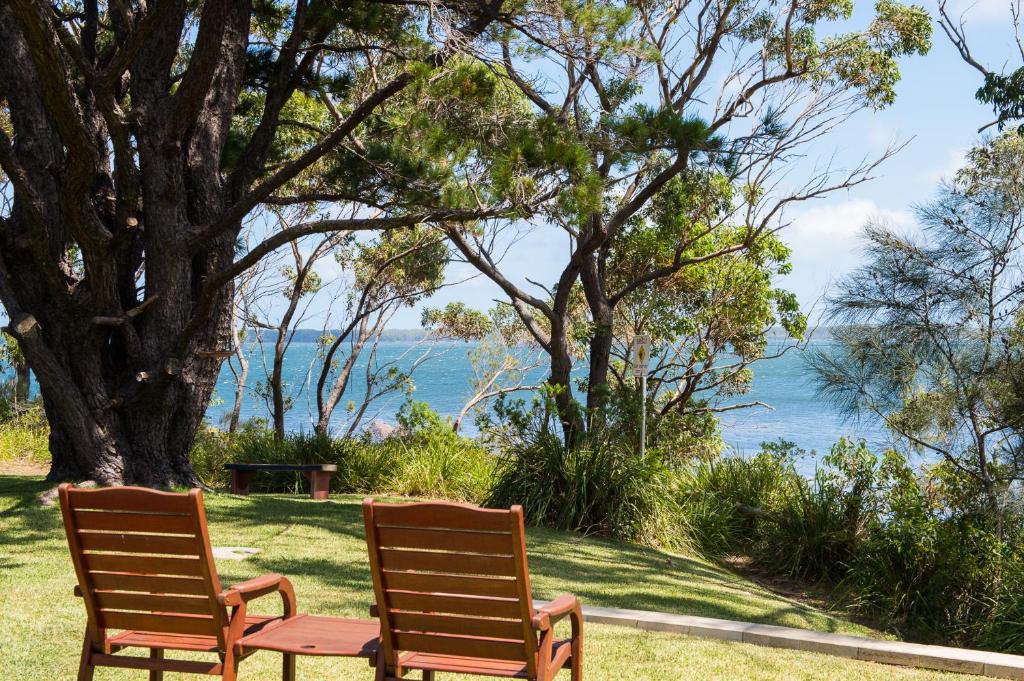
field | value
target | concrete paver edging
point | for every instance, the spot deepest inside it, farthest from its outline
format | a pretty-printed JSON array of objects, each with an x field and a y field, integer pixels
[{"x": 943, "y": 658}]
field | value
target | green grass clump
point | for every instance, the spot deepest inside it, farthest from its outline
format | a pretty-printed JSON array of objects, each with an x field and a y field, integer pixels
[
  {"x": 25, "y": 436},
  {"x": 601, "y": 487},
  {"x": 320, "y": 546}
]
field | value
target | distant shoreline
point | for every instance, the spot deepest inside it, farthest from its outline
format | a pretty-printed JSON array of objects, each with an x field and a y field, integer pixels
[{"x": 415, "y": 335}]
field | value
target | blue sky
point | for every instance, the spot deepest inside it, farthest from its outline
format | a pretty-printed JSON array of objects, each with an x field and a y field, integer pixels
[{"x": 935, "y": 110}]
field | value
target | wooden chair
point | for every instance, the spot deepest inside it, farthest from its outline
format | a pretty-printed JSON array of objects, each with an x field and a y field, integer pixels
[
  {"x": 453, "y": 595},
  {"x": 145, "y": 568}
]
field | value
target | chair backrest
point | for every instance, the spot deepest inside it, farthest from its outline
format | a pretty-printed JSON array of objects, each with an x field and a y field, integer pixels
[
  {"x": 451, "y": 579},
  {"x": 143, "y": 561}
]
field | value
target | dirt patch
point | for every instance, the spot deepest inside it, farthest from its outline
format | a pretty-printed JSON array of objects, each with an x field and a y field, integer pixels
[
  {"x": 816, "y": 595},
  {"x": 22, "y": 467}
]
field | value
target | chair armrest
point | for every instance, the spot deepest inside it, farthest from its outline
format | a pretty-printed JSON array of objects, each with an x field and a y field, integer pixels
[
  {"x": 243, "y": 592},
  {"x": 547, "y": 615}
]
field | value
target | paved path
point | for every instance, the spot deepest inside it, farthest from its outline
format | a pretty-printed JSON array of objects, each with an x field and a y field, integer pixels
[{"x": 996, "y": 665}]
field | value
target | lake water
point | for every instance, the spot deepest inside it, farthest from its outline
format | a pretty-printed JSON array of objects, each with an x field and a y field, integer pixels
[{"x": 785, "y": 383}]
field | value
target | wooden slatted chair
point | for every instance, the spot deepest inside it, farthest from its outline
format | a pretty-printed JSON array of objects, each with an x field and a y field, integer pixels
[
  {"x": 145, "y": 568},
  {"x": 453, "y": 595}
]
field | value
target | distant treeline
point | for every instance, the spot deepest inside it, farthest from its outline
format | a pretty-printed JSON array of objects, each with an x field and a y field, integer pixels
[
  {"x": 402, "y": 335},
  {"x": 413, "y": 335}
]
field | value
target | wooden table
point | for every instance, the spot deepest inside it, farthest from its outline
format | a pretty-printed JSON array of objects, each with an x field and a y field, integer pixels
[
  {"x": 315, "y": 635},
  {"x": 319, "y": 475}
]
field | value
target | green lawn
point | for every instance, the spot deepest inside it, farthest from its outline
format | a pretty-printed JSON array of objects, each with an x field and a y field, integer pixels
[{"x": 320, "y": 547}]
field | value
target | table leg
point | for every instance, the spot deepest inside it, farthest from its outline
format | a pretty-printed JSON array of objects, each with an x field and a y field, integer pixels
[
  {"x": 288, "y": 667},
  {"x": 241, "y": 481},
  {"x": 319, "y": 484},
  {"x": 156, "y": 674}
]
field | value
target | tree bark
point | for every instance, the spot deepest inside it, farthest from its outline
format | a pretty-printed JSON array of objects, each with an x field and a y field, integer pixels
[
  {"x": 119, "y": 368},
  {"x": 236, "y": 409},
  {"x": 327, "y": 404},
  {"x": 573, "y": 427},
  {"x": 22, "y": 382},
  {"x": 603, "y": 319}
]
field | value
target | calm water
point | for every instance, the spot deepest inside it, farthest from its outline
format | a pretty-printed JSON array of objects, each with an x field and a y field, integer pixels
[{"x": 444, "y": 381}]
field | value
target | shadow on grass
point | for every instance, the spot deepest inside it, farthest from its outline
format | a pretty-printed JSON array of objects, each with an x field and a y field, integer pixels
[{"x": 26, "y": 522}]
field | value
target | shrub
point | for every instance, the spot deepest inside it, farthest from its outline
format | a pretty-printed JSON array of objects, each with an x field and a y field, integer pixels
[
  {"x": 725, "y": 499},
  {"x": 424, "y": 458},
  {"x": 25, "y": 435},
  {"x": 602, "y": 486}
]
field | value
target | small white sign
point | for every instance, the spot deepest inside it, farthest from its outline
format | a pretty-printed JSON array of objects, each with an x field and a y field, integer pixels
[{"x": 641, "y": 354}]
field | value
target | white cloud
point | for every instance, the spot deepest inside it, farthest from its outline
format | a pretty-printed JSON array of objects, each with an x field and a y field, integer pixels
[
  {"x": 955, "y": 159},
  {"x": 979, "y": 11},
  {"x": 826, "y": 244}
]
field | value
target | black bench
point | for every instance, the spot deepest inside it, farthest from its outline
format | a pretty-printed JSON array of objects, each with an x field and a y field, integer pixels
[{"x": 319, "y": 475}]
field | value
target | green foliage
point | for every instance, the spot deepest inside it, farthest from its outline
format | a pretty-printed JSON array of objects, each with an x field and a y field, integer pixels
[
  {"x": 724, "y": 498},
  {"x": 916, "y": 550},
  {"x": 456, "y": 320},
  {"x": 928, "y": 335},
  {"x": 404, "y": 264},
  {"x": 709, "y": 320},
  {"x": 423, "y": 459},
  {"x": 24, "y": 433},
  {"x": 602, "y": 487},
  {"x": 10, "y": 352},
  {"x": 1005, "y": 92}
]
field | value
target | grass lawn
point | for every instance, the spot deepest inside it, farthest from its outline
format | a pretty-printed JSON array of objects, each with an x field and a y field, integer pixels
[{"x": 320, "y": 547}]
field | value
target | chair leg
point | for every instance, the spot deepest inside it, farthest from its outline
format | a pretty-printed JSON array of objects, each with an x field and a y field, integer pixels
[
  {"x": 428, "y": 675},
  {"x": 156, "y": 674},
  {"x": 230, "y": 671},
  {"x": 86, "y": 670},
  {"x": 288, "y": 667},
  {"x": 576, "y": 663}
]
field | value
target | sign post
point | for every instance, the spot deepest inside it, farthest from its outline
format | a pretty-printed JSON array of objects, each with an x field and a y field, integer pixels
[{"x": 641, "y": 359}]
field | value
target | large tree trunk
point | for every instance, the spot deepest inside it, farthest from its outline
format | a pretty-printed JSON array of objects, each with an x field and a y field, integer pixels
[
  {"x": 100, "y": 271},
  {"x": 110, "y": 419},
  {"x": 118, "y": 255}
]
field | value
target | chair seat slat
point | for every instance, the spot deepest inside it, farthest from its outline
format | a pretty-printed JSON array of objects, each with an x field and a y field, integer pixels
[
  {"x": 456, "y": 624},
  {"x": 116, "y": 600},
  {"x": 460, "y": 645},
  {"x": 150, "y": 523},
  {"x": 118, "y": 581},
  {"x": 131, "y": 499},
  {"x": 144, "y": 565},
  {"x": 171, "y": 624},
  {"x": 451, "y": 516},
  {"x": 127, "y": 542}
]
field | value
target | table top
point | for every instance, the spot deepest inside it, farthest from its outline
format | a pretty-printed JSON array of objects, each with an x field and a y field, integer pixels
[
  {"x": 280, "y": 467},
  {"x": 316, "y": 635}
]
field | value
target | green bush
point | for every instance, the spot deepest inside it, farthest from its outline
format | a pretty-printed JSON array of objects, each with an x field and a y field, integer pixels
[
  {"x": 602, "y": 486},
  {"x": 25, "y": 435},
  {"x": 933, "y": 566},
  {"x": 725, "y": 499},
  {"x": 424, "y": 458},
  {"x": 915, "y": 550}
]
